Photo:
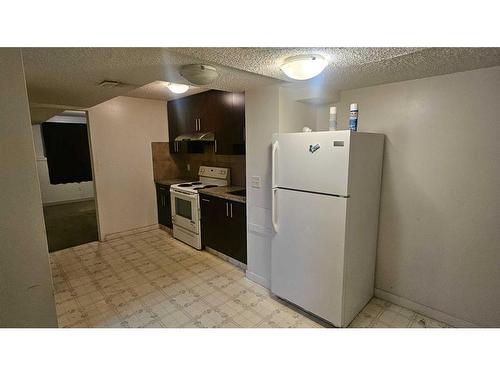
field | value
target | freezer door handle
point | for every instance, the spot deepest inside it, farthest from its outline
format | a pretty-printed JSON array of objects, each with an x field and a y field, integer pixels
[
  {"x": 273, "y": 164},
  {"x": 274, "y": 211}
]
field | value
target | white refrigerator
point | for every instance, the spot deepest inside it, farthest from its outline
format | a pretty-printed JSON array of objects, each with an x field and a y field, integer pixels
[{"x": 325, "y": 208}]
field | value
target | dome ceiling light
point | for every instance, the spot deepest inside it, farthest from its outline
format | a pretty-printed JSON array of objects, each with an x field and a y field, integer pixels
[
  {"x": 177, "y": 88},
  {"x": 199, "y": 74},
  {"x": 304, "y": 66}
]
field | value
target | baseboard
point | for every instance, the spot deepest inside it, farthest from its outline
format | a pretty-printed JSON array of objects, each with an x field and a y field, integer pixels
[
  {"x": 424, "y": 310},
  {"x": 147, "y": 228},
  {"x": 226, "y": 258},
  {"x": 258, "y": 279},
  {"x": 68, "y": 201},
  {"x": 259, "y": 229},
  {"x": 166, "y": 229}
]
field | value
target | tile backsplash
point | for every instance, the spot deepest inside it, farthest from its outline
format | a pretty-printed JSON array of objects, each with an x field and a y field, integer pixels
[{"x": 166, "y": 165}]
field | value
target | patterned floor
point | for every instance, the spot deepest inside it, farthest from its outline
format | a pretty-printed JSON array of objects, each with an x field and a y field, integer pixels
[{"x": 152, "y": 280}]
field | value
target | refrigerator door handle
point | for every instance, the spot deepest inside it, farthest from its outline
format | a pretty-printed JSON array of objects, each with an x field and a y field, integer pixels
[
  {"x": 273, "y": 164},
  {"x": 274, "y": 211}
]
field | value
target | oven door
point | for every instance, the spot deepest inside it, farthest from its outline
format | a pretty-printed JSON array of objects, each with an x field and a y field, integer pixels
[{"x": 185, "y": 210}]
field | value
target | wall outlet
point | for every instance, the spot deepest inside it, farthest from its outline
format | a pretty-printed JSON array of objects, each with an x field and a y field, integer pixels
[{"x": 255, "y": 182}]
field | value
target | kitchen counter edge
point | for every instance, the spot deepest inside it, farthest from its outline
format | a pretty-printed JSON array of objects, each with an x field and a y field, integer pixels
[{"x": 223, "y": 192}]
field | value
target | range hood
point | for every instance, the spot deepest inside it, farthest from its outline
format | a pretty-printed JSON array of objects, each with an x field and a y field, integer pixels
[{"x": 200, "y": 137}]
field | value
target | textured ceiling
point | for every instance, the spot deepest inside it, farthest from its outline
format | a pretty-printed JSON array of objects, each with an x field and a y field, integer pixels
[
  {"x": 69, "y": 77},
  {"x": 352, "y": 67}
]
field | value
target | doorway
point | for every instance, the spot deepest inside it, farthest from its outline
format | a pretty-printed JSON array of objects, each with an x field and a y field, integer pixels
[{"x": 67, "y": 185}]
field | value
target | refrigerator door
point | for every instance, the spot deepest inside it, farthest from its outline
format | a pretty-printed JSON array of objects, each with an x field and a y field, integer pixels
[
  {"x": 307, "y": 258},
  {"x": 315, "y": 161}
]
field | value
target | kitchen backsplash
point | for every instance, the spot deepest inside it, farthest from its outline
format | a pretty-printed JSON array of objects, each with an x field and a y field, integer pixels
[{"x": 166, "y": 165}]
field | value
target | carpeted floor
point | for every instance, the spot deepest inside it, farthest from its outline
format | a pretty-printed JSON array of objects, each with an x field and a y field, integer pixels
[{"x": 70, "y": 224}]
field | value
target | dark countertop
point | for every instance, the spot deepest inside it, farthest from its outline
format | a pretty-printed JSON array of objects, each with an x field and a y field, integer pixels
[
  {"x": 172, "y": 181},
  {"x": 222, "y": 192}
]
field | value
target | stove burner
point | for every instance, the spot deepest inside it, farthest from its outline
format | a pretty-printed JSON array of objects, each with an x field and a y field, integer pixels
[{"x": 204, "y": 187}]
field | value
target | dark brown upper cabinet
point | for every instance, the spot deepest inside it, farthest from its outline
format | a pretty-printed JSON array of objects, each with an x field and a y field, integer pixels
[{"x": 219, "y": 112}]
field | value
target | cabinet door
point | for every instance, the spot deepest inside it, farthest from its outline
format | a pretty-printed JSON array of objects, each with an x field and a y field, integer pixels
[
  {"x": 163, "y": 204},
  {"x": 176, "y": 112},
  {"x": 237, "y": 238},
  {"x": 212, "y": 110},
  {"x": 230, "y": 132},
  {"x": 213, "y": 221},
  {"x": 192, "y": 106},
  {"x": 177, "y": 124}
]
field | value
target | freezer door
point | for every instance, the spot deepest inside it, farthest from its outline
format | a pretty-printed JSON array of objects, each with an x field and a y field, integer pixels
[
  {"x": 315, "y": 161},
  {"x": 307, "y": 258}
]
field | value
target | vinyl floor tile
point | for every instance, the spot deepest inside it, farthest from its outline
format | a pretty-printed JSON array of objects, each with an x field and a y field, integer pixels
[{"x": 151, "y": 280}]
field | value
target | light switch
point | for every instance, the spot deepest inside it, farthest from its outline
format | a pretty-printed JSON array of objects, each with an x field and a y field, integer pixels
[{"x": 255, "y": 181}]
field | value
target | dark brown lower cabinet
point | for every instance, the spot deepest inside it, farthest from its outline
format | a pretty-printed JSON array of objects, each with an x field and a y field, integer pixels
[
  {"x": 163, "y": 204},
  {"x": 223, "y": 226}
]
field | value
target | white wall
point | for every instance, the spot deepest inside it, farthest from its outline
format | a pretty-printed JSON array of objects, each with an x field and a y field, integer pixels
[
  {"x": 439, "y": 237},
  {"x": 26, "y": 295},
  {"x": 60, "y": 192},
  {"x": 268, "y": 110},
  {"x": 294, "y": 115},
  {"x": 121, "y": 132}
]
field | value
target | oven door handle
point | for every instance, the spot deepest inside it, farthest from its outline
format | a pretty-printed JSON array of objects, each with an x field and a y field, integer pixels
[{"x": 181, "y": 194}]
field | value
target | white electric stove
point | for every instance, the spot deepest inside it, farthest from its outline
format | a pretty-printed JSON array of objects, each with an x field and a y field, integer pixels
[{"x": 186, "y": 203}]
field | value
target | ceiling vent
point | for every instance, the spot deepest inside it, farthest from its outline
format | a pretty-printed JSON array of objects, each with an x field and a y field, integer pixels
[
  {"x": 199, "y": 74},
  {"x": 107, "y": 83}
]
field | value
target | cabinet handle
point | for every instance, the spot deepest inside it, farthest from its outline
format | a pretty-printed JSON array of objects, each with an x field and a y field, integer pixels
[
  {"x": 199, "y": 124},
  {"x": 205, "y": 200},
  {"x": 216, "y": 145},
  {"x": 231, "y": 210},
  {"x": 227, "y": 209}
]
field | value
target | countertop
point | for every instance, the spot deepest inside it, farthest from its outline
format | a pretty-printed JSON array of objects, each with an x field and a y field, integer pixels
[
  {"x": 222, "y": 192},
  {"x": 172, "y": 181}
]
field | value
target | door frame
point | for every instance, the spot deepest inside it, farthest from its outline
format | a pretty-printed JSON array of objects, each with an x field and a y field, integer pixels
[{"x": 92, "y": 166}]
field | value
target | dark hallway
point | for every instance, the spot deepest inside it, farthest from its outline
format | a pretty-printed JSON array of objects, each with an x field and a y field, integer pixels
[{"x": 70, "y": 224}]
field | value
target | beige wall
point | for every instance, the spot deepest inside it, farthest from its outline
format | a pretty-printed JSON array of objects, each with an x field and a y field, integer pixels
[
  {"x": 121, "y": 132},
  {"x": 294, "y": 115},
  {"x": 268, "y": 110},
  {"x": 439, "y": 237},
  {"x": 26, "y": 296}
]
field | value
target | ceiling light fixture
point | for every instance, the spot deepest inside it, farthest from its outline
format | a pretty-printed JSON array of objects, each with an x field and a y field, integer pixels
[
  {"x": 199, "y": 74},
  {"x": 177, "y": 88},
  {"x": 304, "y": 67},
  {"x": 109, "y": 83}
]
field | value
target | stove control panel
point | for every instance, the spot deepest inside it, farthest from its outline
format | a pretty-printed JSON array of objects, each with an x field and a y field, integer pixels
[{"x": 214, "y": 172}]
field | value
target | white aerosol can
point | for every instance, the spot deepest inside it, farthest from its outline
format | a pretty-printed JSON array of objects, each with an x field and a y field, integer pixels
[
  {"x": 332, "y": 125},
  {"x": 353, "y": 117}
]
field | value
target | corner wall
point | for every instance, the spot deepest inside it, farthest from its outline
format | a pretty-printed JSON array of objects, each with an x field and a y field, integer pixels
[
  {"x": 26, "y": 294},
  {"x": 121, "y": 132},
  {"x": 268, "y": 110},
  {"x": 439, "y": 237}
]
